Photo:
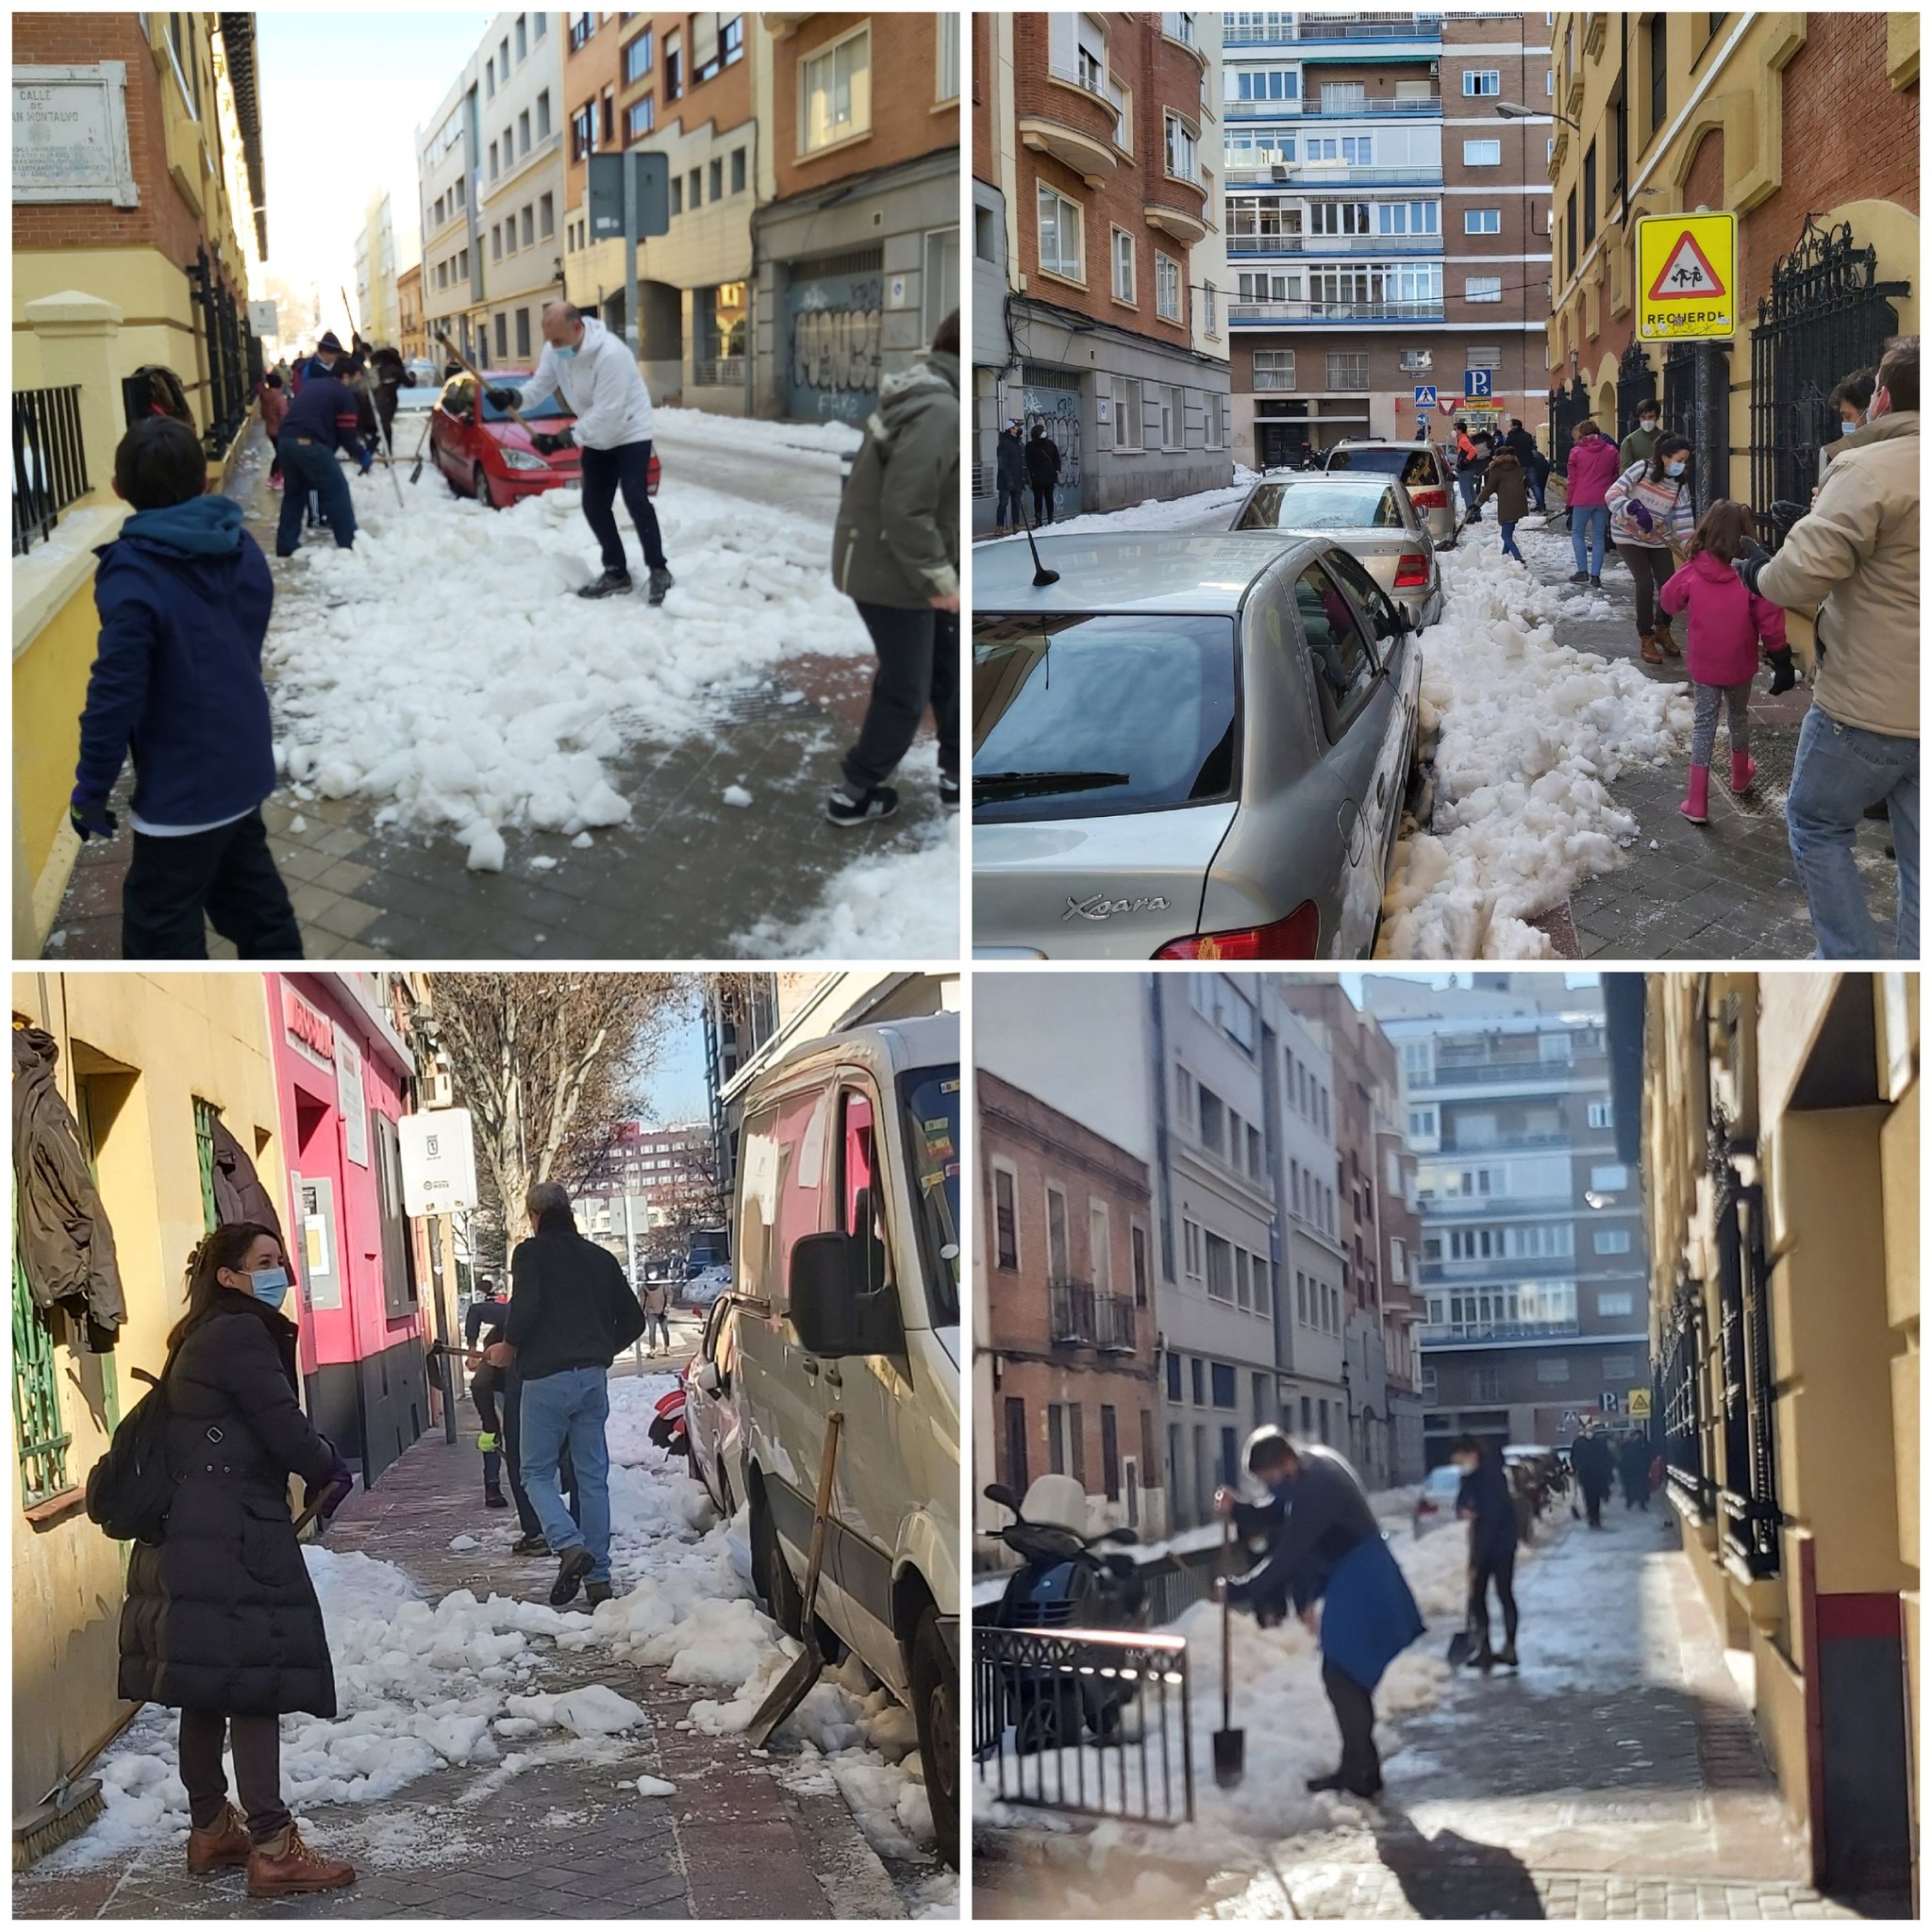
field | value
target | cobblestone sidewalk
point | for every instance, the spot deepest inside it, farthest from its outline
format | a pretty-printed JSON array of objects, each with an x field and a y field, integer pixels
[
  {"x": 558, "y": 1838},
  {"x": 1723, "y": 890}
]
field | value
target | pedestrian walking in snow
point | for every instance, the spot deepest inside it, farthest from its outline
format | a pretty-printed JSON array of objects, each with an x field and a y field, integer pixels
[
  {"x": 1326, "y": 1547},
  {"x": 1589, "y": 471},
  {"x": 221, "y": 1619},
  {"x": 570, "y": 1314},
  {"x": 388, "y": 378},
  {"x": 896, "y": 552},
  {"x": 1535, "y": 465},
  {"x": 321, "y": 420},
  {"x": 595, "y": 372},
  {"x": 1639, "y": 445},
  {"x": 274, "y": 396},
  {"x": 184, "y": 596},
  {"x": 482, "y": 1327},
  {"x": 1726, "y": 624},
  {"x": 328, "y": 353},
  {"x": 1469, "y": 466},
  {"x": 1042, "y": 472},
  {"x": 1633, "y": 1471},
  {"x": 1486, "y": 1503},
  {"x": 1504, "y": 480},
  {"x": 1651, "y": 520},
  {"x": 656, "y": 1300},
  {"x": 1590, "y": 1457},
  {"x": 1857, "y": 554},
  {"x": 1010, "y": 480}
]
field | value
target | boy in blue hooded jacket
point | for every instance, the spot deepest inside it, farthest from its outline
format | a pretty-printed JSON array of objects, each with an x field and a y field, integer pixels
[
  {"x": 184, "y": 597},
  {"x": 1326, "y": 1546}
]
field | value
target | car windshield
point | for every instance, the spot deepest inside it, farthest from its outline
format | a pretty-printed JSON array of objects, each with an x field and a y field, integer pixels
[
  {"x": 930, "y": 1102},
  {"x": 1076, "y": 717},
  {"x": 1317, "y": 504},
  {"x": 550, "y": 408},
  {"x": 1415, "y": 466}
]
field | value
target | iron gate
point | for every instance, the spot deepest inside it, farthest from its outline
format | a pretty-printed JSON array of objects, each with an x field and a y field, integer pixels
[
  {"x": 1748, "y": 1497},
  {"x": 1826, "y": 315},
  {"x": 1682, "y": 1401},
  {"x": 1568, "y": 408},
  {"x": 1636, "y": 385},
  {"x": 1697, "y": 405},
  {"x": 228, "y": 365}
]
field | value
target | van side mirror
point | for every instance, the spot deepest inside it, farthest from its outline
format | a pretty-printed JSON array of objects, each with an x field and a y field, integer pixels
[
  {"x": 706, "y": 1376},
  {"x": 833, "y": 1307}
]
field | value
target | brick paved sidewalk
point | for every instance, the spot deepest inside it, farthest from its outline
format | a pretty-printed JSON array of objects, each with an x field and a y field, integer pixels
[
  {"x": 1723, "y": 890},
  {"x": 556, "y": 1836},
  {"x": 679, "y": 880}
]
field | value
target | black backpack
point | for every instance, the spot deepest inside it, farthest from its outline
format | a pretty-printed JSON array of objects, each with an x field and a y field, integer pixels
[{"x": 129, "y": 1491}]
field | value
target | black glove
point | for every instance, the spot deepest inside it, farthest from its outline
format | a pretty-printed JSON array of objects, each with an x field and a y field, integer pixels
[
  {"x": 542, "y": 440},
  {"x": 1748, "y": 566},
  {"x": 502, "y": 398},
  {"x": 1783, "y": 673},
  {"x": 332, "y": 1491},
  {"x": 91, "y": 819}
]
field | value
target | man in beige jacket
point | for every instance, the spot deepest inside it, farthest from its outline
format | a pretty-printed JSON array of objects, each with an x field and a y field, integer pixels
[{"x": 1858, "y": 555}]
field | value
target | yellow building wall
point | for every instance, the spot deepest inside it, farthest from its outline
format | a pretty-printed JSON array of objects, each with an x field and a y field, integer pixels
[
  {"x": 154, "y": 1042},
  {"x": 49, "y": 687},
  {"x": 1792, "y": 1007}
]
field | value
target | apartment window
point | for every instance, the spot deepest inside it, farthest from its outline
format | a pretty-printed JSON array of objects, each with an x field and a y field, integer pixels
[
  {"x": 509, "y": 236},
  {"x": 1619, "y": 1302},
  {"x": 694, "y": 193},
  {"x": 1182, "y": 162},
  {"x": 638, "y": 58},
  {"x": 1216, "y": 431},
  {"x": 543, "y": 114},
  {"x": 1482, "y": 355},
  {"x": 1190, "y": 1249},
  {"x": 1140, "y": 1246},
  {"x": 731, "y": 39},
  {"x": 610, "y": 116},
  {"x": 1167, "y": 287},
  {"x": 1109, "y": 1425},
  {"x": 1063, "y": 248},
  {"x": 1590, "y": 194},
  {"x": 496, "y": 242},
  {"x": 1223, "y": 1385},
  {"x": 640, "y": 118},
  {"x": 1058, "y": 1260},
  {"x": 1482, "y": 220},
  {"x": 1348, "y": 368},
  {"x": 1123, "y": 265},
  {"x": 1481, "y": 80},
  {"x": 523, "y": 132},
  {"x": 1100, "y": 1246},
  {"x": 1599, "y": 1111},
  {"x": 502, "y": 332},
  {"x": 678, "y": 194},
  {"x": 948, "y": 83},
  {"x": 546, "y": 216},
  {"x": 1126, "y": 412},
  {"x": 1263, "y": 84},
  {"x": 541, "y": 27},
  {"x": 492, "y": 160},
  {"x": 1608, "y": 1180},
  {"x": 522, "y": 331},
  {"x": 1553, "y": 1368},
  {"x": 583, "y": 130},
  {"x": 1611, "y": 1240},
  {"x": 1198, "y": 1381},
  {"x": 837, "y": 85},
  {"x": 1570, "y": 232},
  {"x": 1220, "y": 1254},
  {"x": 490, "y": 79},
  {"x": 717, "y": 179},
  {"x": 738, "y": 171},
  {"x": 582, "y": 26},
  {"x": 1482, "y": 154},
  {"x": 1658, "y": 48},
  {"x": 1274, "y": 369},
  {"x": 1016, "y": 1444},
  {"x": 1056, "y": 1439},
  {"x": 530, "y": 225},
  {"x": 1209, "y": 322},
  {"x": 1174, "y": 1376},
  {"x": 1482, "y": 288},
  {"x": 674, "y": 70}
]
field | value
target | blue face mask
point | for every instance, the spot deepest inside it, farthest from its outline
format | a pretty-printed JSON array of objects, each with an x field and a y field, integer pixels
[
  {"x": 1673, "y": 468},
  {"x": 270, "y": 1284},
  {"x": 565, "y": 355}
]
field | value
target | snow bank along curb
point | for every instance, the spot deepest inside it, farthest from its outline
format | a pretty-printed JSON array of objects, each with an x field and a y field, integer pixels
[{"x": 1529, "y": 735}]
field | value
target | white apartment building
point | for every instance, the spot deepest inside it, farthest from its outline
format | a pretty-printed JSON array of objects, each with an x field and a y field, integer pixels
[
  {"x": 446, "y": 220},
  {"x": 519, "y": 224}
]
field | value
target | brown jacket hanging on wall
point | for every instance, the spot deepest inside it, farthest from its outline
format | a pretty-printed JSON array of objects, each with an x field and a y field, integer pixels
[
  {"x": 66, "y": 1246},
  {"x": 238, "y": 1193}
]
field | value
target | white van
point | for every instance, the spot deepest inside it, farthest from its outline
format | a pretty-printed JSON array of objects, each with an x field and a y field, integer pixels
[{"x": 846, "y": 1285}]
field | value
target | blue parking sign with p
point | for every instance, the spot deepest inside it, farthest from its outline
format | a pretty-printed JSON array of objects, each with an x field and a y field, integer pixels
[
  {"x": 1426, "y": 395},
  {"x": 1476, "y": 382}
]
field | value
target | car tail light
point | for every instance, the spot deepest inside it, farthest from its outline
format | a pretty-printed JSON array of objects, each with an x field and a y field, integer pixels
[
  {"x": 1429, "y": 499},
  {"x": 1293, "y": 937},
  {"x": 1411, "y": 571},
  {"x": 656, "y": 475}
]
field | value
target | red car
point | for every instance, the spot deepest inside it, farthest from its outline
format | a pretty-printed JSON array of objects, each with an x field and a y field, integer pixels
[{"x": 482, "y": 454}]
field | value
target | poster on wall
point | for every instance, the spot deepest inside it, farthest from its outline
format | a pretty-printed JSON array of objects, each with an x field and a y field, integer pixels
[{"x": 349, "y": 1098}]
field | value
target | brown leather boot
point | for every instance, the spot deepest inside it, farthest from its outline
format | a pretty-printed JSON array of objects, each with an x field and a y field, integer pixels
[
  {"x": 284, "y": 1863},
  {"x": 221, "y": 1847},
  {"x": 1648, "y": 650},
  {"x": 1671, "y": 648}
]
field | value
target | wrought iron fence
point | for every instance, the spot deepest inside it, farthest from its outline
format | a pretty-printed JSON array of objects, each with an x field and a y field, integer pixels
[
  {"x": 1697, "y": 406},
  {"x": 1826, "y": 315},
  {"x": 719, "y": 371},
  {"x": 1636, "y": 385},
  {"x": 219, "y": 329},
  {"x": 1682, "y": 1402},
  {"x": 1113, "y": 1323},
  {"x": 1747, "y": 1497},
  {"x": 1568, "y": 408},
  {"x": 49, "y": 462},
  {"x": 1069, "y": 1305},
  {"x": 1089, "y": 1722}
]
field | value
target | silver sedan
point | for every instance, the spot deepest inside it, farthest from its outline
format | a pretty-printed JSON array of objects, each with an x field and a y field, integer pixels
[{"x": 1371, "y": 517}]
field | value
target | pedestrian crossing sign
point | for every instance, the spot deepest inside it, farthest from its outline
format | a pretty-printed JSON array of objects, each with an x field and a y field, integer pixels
[{"x": 1687, "y": 277}]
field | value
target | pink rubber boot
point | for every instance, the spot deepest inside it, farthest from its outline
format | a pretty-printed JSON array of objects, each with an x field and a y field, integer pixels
[
  {"x": 1743, "y": 769},
  {"x": 1696, "y": 804}
]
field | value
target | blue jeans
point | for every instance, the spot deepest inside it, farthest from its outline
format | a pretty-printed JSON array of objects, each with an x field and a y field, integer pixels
[
  {"x": 569, "y": 1407},
  {"x": 1539, "y": 475},
  {"x": 657, "y": 1327},
  {"x": 1510, "y": 548},
  {"x": 1594, "y": 524},
  {"x": 310, "y": 465},
  {"x": 1841, "y": 770},
  {"x": 1009, "y": 507},
  {"x": 1467, "y": 482}
]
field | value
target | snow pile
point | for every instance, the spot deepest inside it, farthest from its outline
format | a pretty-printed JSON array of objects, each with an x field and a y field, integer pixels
[
  {"x": 1206, "y": 509},
  {"x": 443, "y": 668},
  {"x": 835, "y": 440},
  {"x": 1529, "y": 736}
]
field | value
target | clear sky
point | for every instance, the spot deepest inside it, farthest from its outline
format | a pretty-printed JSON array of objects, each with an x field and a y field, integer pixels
[
  {"x": 342, "y": 94},
  {"x": 677, "y": 1091}
]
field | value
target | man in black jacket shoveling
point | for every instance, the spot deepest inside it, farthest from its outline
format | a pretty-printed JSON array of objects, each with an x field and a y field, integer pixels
[{"x": 570, "y": 1314}]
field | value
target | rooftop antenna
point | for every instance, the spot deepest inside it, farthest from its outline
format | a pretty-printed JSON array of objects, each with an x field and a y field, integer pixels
[{"x": 1041, "y": 576}]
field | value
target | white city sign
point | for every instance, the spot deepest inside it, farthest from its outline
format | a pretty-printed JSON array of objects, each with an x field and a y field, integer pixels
[{"x": 439, "y": 1161}]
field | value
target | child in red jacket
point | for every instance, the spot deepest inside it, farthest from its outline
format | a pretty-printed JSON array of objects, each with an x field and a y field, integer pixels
[{"x": 1727, "y": 623}]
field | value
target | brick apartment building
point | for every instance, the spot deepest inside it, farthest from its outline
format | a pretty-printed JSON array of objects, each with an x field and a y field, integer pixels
[
  {"x": 1094, "y": 191},
  {"x": 857, "y": 255},
  {"x": 1069, "y": 1337},
  {"x": 411, "y": 338},
  {"x": 1806, "y": 125},
  {"x": 1387, "y": 229},
  {"x": 683, "y": 86}
]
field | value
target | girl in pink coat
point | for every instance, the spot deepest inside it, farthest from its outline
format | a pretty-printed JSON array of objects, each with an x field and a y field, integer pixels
[
  {"x": 1589, "y": 471},
  {"x": 1728, "y": 622}
]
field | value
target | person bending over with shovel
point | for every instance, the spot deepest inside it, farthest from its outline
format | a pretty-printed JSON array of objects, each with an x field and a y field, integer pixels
[{"x": 1326, "y": 1546}]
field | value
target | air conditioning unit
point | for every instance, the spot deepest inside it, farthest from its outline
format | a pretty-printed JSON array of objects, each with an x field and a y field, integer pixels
[
  {"x": 1277, "y": 172},
  {"x": 1435, "y": 70}
]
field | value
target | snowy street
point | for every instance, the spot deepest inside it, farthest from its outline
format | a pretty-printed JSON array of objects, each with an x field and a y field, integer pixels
[
  {"x": 477, "y": 763},
  {"x": 497, "y": 1758},
  {"x": 1615, "y": 1775},
  {"x": 1544, "y": 823}
]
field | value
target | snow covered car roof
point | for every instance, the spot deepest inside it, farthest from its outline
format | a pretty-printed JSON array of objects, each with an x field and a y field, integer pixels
[{"x": 1155, "y": 571}]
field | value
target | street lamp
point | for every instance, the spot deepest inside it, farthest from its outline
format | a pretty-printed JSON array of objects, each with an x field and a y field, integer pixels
[{"x": 1515, "y": 111}]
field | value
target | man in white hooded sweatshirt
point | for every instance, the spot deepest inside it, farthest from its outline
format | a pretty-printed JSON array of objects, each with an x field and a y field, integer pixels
[{"x": 595, "y": 372}]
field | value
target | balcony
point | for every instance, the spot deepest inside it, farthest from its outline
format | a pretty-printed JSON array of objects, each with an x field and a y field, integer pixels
[
  {"x": 1081, "y": 137},
  {"x": 1334, "y": 244},
  {"x": 1336, "y": 26},
  {"x": 1179, "y": 209},
  {"x": 1081, "y": 1317},
  {"x": 1486, "y": 1072},
  {"x": 1472, "y": 1333},
  {"x": 1329, "y": 107},
  {"x": 1273, "y": 314}
]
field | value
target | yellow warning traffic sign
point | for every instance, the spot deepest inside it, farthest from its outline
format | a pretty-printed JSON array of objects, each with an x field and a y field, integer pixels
[
  {"x": 1639, "y": 1401},
  {"x": 1687, "y": 277}
]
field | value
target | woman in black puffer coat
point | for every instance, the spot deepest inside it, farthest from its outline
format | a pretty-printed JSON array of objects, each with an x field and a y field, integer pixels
[{"x": 220, "y": 1619}]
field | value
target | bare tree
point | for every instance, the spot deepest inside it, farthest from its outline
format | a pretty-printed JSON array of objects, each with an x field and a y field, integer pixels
[
  {"x": 550, "y": 1064},
  {"x": 691, "y": 1204}
]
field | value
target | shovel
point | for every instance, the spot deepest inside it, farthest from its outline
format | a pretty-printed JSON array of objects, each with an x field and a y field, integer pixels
[
  {"x": 1230, "y": 1746},
  {"x": 789, "y": 1693},
  {"x": 1461, "y": 1648},
  {"x": 470, "y": 369}
]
